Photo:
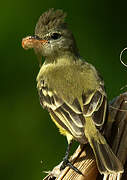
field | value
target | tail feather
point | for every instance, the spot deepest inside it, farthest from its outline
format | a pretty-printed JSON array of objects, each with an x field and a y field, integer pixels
[{"x": 106, "y": 160}]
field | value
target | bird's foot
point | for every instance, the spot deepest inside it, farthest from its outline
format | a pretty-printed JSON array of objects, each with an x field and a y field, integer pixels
[{"x": 66, "y": 163}]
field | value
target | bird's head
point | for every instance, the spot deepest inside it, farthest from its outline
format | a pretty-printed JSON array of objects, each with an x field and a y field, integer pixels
[{"x": 52, "y": 37}]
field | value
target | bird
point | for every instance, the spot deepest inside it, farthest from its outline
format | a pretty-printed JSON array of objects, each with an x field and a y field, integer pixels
[{"x": 71, "y": 89}]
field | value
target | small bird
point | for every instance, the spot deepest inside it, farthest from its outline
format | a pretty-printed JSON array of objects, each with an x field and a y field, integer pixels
[{"x": 71, "y": 89}]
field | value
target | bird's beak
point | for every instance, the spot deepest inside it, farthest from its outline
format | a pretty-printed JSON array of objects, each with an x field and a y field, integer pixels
[
  {"x": 35, "y": 43},
  {"x": 32, "y": 42}
]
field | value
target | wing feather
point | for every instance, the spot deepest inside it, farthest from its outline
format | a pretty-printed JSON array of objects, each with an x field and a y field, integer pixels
[
  {"x": 68, "y": 116},
  {"x": 96, "y": 108}
]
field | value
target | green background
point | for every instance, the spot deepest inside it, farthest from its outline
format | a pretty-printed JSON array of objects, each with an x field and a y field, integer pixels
[{"x": 27, "y": 135}]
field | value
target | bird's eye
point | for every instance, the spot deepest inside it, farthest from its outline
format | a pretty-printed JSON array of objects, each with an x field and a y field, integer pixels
[{"x": 55, "y": 36}]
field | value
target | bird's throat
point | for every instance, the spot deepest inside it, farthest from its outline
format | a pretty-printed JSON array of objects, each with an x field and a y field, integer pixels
[{"x": 66, "y": 57}]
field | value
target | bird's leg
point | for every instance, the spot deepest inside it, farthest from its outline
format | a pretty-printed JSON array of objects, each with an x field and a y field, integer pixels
[
  {"x": 66, "y": 157},
  {"x": 66, "y": 162}
]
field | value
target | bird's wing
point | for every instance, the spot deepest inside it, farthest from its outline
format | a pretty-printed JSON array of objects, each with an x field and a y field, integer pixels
[
  {"x": 96, "y": 107},
  {"x": 71, "y": 116},
  {"x": 68, "y": 116}
]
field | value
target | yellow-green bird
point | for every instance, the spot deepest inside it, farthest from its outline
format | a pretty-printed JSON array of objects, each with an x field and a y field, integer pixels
[{"x": 71, "y": 89}]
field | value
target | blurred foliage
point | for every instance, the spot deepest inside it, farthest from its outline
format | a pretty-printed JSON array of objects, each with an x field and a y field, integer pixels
[{"x": 27, "y": 134}]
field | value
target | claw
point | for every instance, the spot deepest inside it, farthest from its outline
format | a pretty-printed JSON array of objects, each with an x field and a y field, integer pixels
[{"x": 67, "y": 163}]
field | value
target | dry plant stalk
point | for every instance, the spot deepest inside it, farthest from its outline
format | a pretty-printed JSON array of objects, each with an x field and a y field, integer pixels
[{"x": 83, "y": 158}]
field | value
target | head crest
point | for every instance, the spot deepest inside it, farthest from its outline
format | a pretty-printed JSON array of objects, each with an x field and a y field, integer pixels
[{"x": 50, "y": 19}]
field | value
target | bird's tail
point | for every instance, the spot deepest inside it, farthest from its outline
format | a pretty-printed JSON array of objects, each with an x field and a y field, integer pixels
[{"x": 106, "y": 160}]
